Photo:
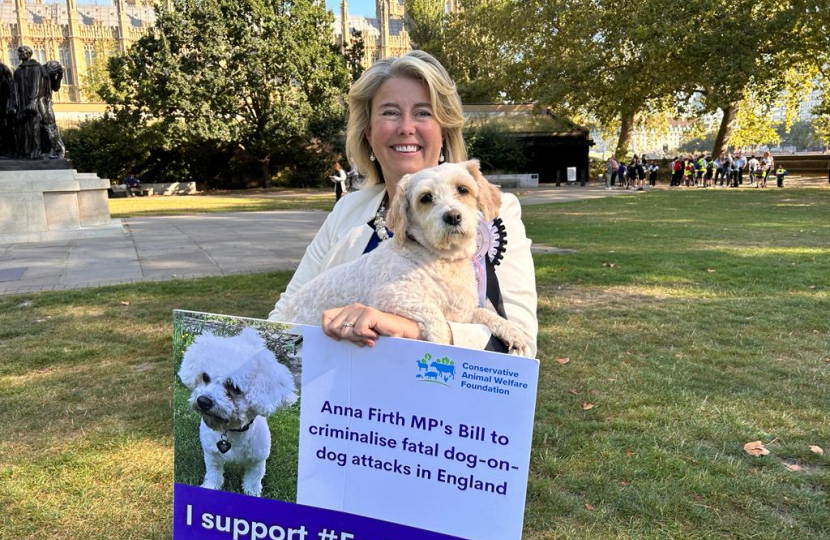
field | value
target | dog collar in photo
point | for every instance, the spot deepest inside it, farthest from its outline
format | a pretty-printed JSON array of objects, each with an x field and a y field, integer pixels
[
  {"x": 223, "y": 444},
  {"x": 491, "y": 240}
]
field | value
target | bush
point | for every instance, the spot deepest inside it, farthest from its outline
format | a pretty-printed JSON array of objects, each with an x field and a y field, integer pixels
[
  {"x": 112, "y": 149},
  {"x": 496, "y": 150}
]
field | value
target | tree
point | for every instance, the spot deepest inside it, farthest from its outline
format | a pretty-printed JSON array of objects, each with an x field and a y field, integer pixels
[
  {"x": 472, "y": 48},
  {"x": 698, "y": 144},
  {"x": 426, "y": 21},
  {"x": 97, "y": 77},
  {"x": 802, "y": 135},
  {"x": 354, "y": 54},
  {"x": 608, "y": 59},
  {"x": 257, "y": 79},
  {"x": 496, "y": 149},
  {"x": 738, "y": 65}
]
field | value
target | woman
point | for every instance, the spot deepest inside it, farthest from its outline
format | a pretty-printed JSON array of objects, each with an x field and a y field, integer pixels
[
  {"x": 405, "y": 115},
  {"x": 339, "y": 178},
  {"x": 768, "y": 164}
]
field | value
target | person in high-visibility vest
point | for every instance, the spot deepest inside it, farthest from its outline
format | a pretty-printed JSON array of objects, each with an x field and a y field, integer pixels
[
  {"x": 780, "y": 173},
  {"x": 700, "y": 168},
  {"x": 689, "y": 172}
]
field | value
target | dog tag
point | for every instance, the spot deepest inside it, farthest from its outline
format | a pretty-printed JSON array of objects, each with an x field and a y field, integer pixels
[{"x": 223, "y": 446}]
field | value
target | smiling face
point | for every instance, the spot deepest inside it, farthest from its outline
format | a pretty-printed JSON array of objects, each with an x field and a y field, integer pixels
[{"x": 403, "y": 132}]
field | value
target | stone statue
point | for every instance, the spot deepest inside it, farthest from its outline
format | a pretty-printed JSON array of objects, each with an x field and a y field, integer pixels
[
  {"x": 53, "y": 75},
  {"x": 28, "y": 128},
  {"x": 28, "y": 81},
  {"x": 8, "y": 110}
]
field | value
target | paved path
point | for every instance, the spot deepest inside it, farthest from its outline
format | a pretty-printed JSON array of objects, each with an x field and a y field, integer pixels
[{"x": 164, "y": 248}]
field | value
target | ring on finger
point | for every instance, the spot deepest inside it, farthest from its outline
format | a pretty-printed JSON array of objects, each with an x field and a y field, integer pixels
[{"x": 347, "y": 324}]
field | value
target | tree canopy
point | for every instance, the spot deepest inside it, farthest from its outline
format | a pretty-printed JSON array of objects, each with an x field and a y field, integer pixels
[
  {"x": 257, "y": 80},
  {"x": 617, "y": 61}
]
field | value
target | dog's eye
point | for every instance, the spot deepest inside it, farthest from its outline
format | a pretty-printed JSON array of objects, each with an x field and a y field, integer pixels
[
  {"x": 232, "y": 389},
  {"x": 206, "y": 378},
  {"x": 426, "y": 198},
  {"x": 463, "y": 190}
]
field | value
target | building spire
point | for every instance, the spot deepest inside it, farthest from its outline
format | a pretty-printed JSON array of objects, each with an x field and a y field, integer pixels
[
  {"x": 344, "y": 26},
  {"x": 22, "y": 22}
]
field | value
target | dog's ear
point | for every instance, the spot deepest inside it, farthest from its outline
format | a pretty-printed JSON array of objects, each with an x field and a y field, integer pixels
[
  {"x": 190, "y": 369},
  {"x": 489, "y": 196},
  {"x": 196, "y": 359},
  {"x": 397, "y": 218},
  {"x": 267, "y": 384}
]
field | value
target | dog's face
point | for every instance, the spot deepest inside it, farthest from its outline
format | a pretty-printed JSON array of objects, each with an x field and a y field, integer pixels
[
  {"x": 439, "y": 207},
  {"x": 234, "y": 379}
]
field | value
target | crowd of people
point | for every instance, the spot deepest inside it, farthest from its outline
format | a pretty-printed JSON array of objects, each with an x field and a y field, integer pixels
[
  {"x": 633, "y": 175},
  {"x": 727, "y": 170}
]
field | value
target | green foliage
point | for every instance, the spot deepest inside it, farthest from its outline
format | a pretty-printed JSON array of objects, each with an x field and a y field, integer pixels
[
  {"x": 101, "y": 145},
  {"x": 617, "y": 63},
  {"x": 802, "y": 134},
  {"x": 354, "y": 54},
  {"x": 698, "y": 144},
  {"x": 474, "y": 51},
  {"x": 96, "y": 80},
  {"x": 426, "y": 23},
  {"x": 253, "y": 81},
  {"x": 496, "y": 149},
  {"x": 112, "y": 146}
]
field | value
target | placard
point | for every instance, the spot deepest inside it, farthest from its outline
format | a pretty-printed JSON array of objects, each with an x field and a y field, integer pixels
[
  {"x": 461, "y": 422},
  {"x": 421, "y": 434}
]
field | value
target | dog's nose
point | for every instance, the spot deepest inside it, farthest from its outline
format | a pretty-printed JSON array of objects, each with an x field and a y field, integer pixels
[
  {"x": 453, "y": 217},
  {"x": 204, "y": 403}
]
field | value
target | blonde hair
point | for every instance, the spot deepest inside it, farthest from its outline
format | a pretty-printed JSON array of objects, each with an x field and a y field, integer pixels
[{"x": 446, "y": 106}]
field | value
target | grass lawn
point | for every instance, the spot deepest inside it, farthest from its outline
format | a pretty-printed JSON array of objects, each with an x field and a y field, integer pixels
[
  {"x": 251, "y": 201},
  {"x": 694, "y": 322}
]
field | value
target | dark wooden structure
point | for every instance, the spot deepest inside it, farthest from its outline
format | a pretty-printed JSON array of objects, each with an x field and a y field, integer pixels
[
  {"x": 551, "y": 154},
  {"x": 804, "y": 163},
  {"x": 551, "y": 144}
]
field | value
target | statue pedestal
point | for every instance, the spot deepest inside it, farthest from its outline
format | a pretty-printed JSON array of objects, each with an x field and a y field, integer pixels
[{"x": 57, "y": 204}]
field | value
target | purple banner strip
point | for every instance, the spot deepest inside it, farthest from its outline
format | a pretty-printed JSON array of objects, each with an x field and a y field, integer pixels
[{"x": 206, "y": 514}]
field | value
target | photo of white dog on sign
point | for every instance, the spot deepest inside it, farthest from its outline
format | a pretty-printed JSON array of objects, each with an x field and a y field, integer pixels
[{"x": 235, "y": 384}]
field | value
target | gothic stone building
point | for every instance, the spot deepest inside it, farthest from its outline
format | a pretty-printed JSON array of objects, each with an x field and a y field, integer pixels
[
  {"x": 76, "y": 33},
  {"x": 385, "y": 34}
]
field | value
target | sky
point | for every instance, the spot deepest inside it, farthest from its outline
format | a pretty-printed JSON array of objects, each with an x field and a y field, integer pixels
[{"x": 356, "y": 7}]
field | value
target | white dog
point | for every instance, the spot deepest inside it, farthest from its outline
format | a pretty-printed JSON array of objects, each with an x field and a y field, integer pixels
[
  {"x": 425, "y": 273},
  {"x": 235, "y": 383}
]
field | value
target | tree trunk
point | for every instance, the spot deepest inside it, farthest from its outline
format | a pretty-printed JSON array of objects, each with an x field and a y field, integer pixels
[
  {"x": 266, "y": 172},
  {"x": 626, "y": 128},
  {"x": 727, "y": 124}
]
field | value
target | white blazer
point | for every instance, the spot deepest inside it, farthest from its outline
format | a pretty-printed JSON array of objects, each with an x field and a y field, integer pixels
[{"x": 346, "y": 232}]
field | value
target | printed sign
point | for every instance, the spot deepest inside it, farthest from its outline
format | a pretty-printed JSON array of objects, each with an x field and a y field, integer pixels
[
  {"x": 416, "y": 433},
  {"x": 404, "y": 441}
]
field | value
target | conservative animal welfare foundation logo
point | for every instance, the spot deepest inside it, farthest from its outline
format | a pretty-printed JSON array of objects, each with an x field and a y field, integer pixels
[{"x": 440, "y": 370}]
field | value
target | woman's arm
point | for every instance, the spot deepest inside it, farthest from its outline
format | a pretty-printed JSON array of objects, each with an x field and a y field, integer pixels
[{"x": 310, "y": 265}]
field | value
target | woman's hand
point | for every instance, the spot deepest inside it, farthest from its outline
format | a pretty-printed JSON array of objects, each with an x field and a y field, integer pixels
[{"x": 363, "y": 324}]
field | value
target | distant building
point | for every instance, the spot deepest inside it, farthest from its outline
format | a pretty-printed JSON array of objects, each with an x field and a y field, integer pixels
[
  {"x": 805, "y": 108},
  {"x": 76, "y": 34},
  {"x": 655, "y": 140},
  {"x": 383, "y": 35}
]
